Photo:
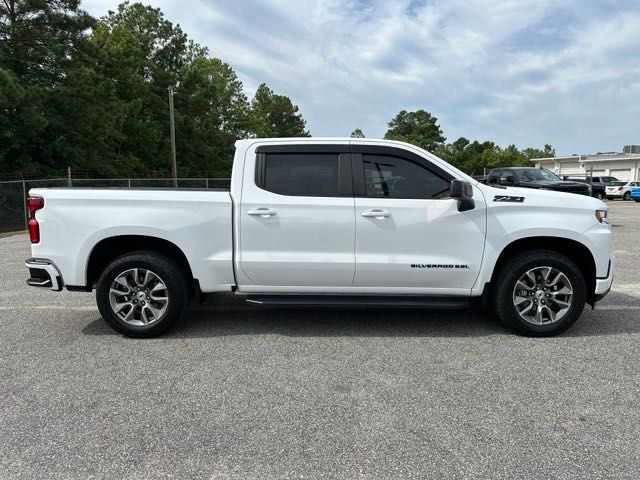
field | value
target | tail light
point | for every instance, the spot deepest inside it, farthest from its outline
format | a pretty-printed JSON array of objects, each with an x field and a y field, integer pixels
[
  {"x": 33, "y": 205},
  {"x": 620, "y": 188}
]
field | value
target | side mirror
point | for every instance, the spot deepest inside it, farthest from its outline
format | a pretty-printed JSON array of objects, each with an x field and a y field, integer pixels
[
  {"x": 463, "y": 192},
  {"x": 506, "y": 181}
]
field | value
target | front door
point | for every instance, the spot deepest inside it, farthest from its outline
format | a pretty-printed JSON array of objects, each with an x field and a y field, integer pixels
[
  {"x": 410, "y": 237},
  {"x": 297, "y": 219}
]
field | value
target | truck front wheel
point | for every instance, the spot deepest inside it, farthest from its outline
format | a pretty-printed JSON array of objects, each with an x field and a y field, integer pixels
[
  {"x": 142, "y": 294},
  {"x": 540, "y": 293}
]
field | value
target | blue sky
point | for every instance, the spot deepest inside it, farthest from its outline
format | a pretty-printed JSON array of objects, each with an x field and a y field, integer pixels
[{"x": 529, "y": 72}]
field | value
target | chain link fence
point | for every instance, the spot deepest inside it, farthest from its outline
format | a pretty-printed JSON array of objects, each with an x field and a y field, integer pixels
[{"x": 13, "y": 209}]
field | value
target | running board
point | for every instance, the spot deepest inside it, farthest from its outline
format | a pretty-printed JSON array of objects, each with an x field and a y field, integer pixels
[{"x": 361, "y": 301}]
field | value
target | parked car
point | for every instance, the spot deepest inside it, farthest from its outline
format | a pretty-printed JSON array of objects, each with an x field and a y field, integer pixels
[
  {"x": 531, "y": 177},
  {"x": 620, "y": 190},
  {"x": 598, "y": 184},
  {"x": 334, "y": 221},
  {"x": 635, "y": 194}
]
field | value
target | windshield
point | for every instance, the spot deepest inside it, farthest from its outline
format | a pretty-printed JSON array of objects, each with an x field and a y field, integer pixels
[
  {"x": 535, "y": 174},
  {"x": 618, "y": 184}
]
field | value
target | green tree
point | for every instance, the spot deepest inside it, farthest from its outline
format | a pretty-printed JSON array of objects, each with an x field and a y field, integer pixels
[
  {"x": 419, "y": 128},
  {"x": 546, "y": 151},
  {"x": 21, "y": 124},
  {"x": 93, "y": 94},
  {"x": 212, "y": 113},
  {"x": 139, "y": 54},
  {"x": 38, "y": 38},
  {"x": 476, "y": 157},
  {"x": 357, "y": 133},
  {"x": 39, "y": 44},
  {"x": 275, "y": 115}
]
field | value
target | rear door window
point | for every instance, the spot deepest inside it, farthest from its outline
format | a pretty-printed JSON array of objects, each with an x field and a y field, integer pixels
[{"x": 301, "y": 174}]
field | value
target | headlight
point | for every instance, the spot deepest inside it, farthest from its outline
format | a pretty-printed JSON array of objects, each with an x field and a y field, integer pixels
[{"x": 601, "y": 216}]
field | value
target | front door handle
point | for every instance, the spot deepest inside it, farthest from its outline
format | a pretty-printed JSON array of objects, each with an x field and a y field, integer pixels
[
  {"x": 376, "y": 213},
  {"x": 262, "y": 211}
]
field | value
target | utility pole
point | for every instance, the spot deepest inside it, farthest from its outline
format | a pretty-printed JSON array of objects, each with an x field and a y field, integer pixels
[{"x": 172, "y": 133}]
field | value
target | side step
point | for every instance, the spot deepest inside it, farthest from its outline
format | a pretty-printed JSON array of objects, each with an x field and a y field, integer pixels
[{"x": 413, "y": 301}]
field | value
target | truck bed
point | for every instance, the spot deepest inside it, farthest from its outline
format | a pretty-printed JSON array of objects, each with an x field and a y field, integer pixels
[{"x": 75, "y": 220}]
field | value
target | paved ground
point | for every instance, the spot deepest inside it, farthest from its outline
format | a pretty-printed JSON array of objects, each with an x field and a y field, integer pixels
[{"x": 240, "y": 392}]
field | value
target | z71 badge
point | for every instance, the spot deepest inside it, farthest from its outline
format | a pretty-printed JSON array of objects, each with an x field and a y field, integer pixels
[{"x": 508, "y": 198}]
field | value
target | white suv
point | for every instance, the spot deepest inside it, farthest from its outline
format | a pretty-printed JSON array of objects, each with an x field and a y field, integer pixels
[{"x": 621, "y": 189}]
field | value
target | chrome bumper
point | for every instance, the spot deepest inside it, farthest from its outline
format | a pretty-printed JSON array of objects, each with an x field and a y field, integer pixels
[{"x": 43, "y": 273}]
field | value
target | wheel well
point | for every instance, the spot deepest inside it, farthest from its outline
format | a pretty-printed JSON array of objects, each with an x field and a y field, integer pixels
[
  {"x": 572, "y": 249},
  {"x": 111, "y": 248}
]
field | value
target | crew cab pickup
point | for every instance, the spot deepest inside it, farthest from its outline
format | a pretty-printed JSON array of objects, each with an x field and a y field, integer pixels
[
  {"x": 531, "y": 177},
  {"x": 326, "y": 221}
]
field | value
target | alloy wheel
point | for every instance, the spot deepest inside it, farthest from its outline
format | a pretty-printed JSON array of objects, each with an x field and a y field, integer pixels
[
  {"x": 138, "y": 297},
  {"x": 542, "y": 295}
]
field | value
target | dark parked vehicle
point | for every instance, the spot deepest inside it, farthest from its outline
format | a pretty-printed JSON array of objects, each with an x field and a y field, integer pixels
[
  {"x": 598, "y": 184},
  {"x": 531, "y": 177}
]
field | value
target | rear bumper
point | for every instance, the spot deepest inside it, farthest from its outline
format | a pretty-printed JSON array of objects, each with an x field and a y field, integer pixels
[{"x": 44, "y": 274}]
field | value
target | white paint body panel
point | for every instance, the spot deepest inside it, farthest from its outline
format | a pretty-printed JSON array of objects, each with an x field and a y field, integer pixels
[
  {"x": 74, "y": 220},
  {"x": 318, "y": 244},
  {"x": 419, "y": 232},
  {"x": 543, "y": 214}
]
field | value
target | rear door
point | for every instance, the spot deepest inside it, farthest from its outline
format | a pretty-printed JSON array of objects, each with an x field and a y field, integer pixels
[
  {"x": 410, "y": 236},
  {"x": 296, "y": 218}
]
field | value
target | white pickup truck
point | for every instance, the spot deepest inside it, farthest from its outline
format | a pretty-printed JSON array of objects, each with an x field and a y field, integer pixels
[{"x": 326, "y": 221}]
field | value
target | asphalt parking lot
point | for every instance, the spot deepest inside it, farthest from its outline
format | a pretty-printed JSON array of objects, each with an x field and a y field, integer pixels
[{"x": 247, "y": 393}]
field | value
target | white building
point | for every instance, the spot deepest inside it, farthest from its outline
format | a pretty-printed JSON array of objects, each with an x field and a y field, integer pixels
[{"x": 623, "y": 166}]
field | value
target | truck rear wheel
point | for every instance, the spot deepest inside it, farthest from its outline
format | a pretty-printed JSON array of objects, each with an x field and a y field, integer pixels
[
  {"x": 540, "y": 293},
  {"x": 142, "y": 294}
]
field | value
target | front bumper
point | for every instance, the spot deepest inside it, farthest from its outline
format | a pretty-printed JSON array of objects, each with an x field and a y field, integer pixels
[
  {"x": 44, "y": 274},
  {"x": 603, "y": 285}
]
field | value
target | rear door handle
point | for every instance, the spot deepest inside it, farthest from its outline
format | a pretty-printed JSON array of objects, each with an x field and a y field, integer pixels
[
  {"x": 376, "y": 213},
  {"x": 262, "y": 211}
]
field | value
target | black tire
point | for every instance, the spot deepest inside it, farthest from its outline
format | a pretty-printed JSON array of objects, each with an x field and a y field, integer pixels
[
  {"x": 637, "y": 199},
  {"x": 626, "y": 196},
  {"x": 177, "y": 292},
  {"x": 599, "y": 196},
  {"x": 515, "y": 268}
]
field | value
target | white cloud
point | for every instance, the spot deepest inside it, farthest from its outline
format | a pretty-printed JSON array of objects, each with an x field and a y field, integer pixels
[{"x": 515, "y": 71}]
